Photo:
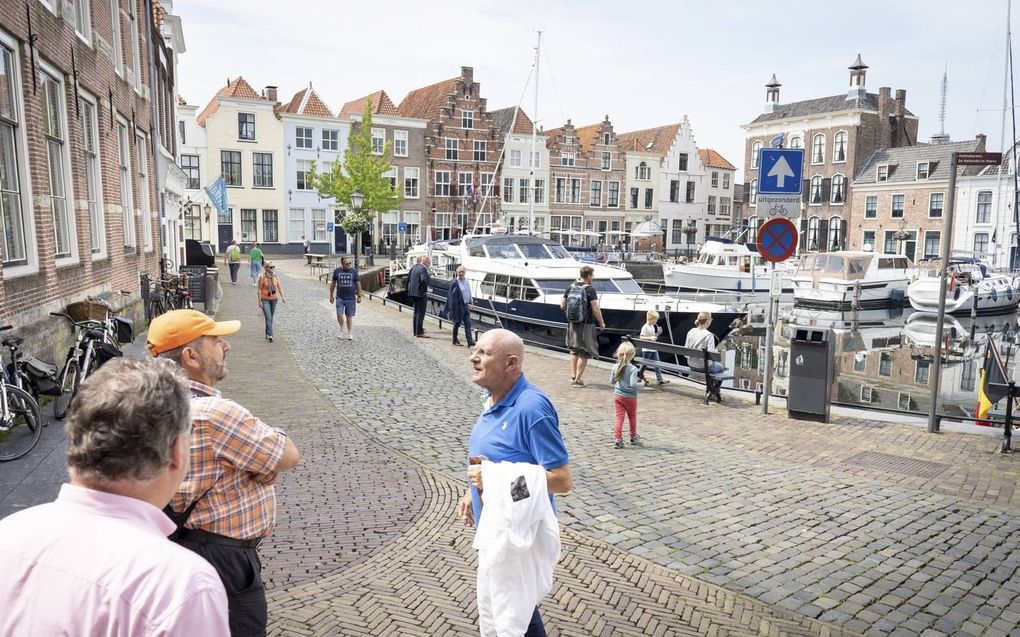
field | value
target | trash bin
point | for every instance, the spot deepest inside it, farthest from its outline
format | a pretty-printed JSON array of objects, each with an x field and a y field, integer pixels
[{"x": 812, "y": 372}]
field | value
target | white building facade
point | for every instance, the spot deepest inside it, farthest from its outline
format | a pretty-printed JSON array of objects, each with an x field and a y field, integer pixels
[{"x": 524, "y": 188}]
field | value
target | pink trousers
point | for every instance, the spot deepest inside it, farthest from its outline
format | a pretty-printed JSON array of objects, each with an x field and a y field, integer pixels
[{"x": 625, "y": 407}]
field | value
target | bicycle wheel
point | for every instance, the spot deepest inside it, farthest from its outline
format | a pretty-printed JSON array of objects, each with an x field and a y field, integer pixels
[
  {"x": 20, "y": 426},
  {"x": 70, "y": 378}
]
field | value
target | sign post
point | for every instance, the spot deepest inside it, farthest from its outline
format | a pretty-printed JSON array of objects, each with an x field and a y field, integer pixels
[
  {"x": 956, "y": 159},
  {"x": 777, "y": 241}
]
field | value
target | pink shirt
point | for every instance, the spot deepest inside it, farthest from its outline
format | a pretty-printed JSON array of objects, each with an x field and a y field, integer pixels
[{"x": 99, "y": 564}]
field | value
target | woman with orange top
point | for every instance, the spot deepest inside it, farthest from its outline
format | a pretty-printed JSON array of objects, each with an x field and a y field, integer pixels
[{"x": 270, "y": 291}]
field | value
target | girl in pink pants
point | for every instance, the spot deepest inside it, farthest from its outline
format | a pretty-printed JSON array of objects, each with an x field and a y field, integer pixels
[{"x": 624, "y": 379}]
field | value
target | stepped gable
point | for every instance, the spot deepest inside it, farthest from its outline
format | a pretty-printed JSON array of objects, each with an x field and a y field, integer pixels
[
  {"x": 237, "y": 88},
  {"x": 307, "y": 102},
  {"x": 586, "y": 135},
  {"x": 501, "y": 120},
  {"x": 656, "y": 140},
  {"x": 711, "y": 158},
  {"x": 381, "y": 105},
  {"x": 426, "y": 102}
]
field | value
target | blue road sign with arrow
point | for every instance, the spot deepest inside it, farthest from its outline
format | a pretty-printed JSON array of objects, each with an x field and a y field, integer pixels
[{"x": 781, "y": 171}]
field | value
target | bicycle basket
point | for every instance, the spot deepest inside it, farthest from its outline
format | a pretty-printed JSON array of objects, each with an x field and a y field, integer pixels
[{"x": 86, "y": 311}]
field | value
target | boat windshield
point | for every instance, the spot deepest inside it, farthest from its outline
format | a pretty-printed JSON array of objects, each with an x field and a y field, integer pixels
[
  {"x": 552, "y": 285},
  {"x": 502, "y": 250},
  {"x": 542, "y": 251},
  {"x": 628, "y": 286},
  {"x": 602, "y": 286}
]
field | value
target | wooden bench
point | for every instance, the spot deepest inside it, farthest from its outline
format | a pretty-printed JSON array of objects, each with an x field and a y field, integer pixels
[
  {"x": 312, "y": 258},
  {"x": 686, "y": 371}
]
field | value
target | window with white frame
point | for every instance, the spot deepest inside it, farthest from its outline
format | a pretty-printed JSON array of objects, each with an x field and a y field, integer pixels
[
  {"x": 935, "y": 200},
  {"x": 93, "y": 174},
  {"x": 480, "y": 150},
  {"x": 634, "y": 194},
  {"x": 193, "y": 222},
  {"x": 981, "y": 242},
  {"x": 649, "y": 197},
  {"x": 724, "y": 205},
  {"x": 605, "y": 139},
  {"x": 143, "y": 190},
  {"x": 839, "y": 142},
  {"x": 796, "y": 142},
  {"x": 136, "y": 54},
  {"x": 523, "y": 190},
  {"x": 487, "y": 184},
  {"x": 304, "y": 167},
  {"x": 413, "y": 220},
  {"x": 246, "y": 127},
  {"x": 539, "y": 191},
  {"x": 818, "y": 149},
  {"x": 303, "y": 137},
  {"x": 613, "y": 195},
  {"x": 885, "y": 364},
  {"x": 715, "y": 179},
  {"x": 508, "y": 190},
  {"x": 568, "y": 140},
  {"x": 126, "y": 200},
  {"x": 711, "y": 204},
  {"x": 180, "y": 132},
  {"x": 535, "y": 160},
  {"x": 400, "y": 143},
  {"x": 984, "y": 206},
  {"x": 319, "y": 220},
  {"x": 932, "y": 244},
  {"x": 835, "y": 233},
  {"x": 330, "y": 139},
  {"x": 393, "y": 176},
  {"x": 595, "y": 197},
  {"x": 752, "y": 198},
  {"x": 270, "y": 226},
  {"x": 390, "y": 221},
  {"x": 883, "y": 173},
  {"x": 889, "y": 246},
  {"x": 192, "y": 177},
  {"x": 575, "y": 191},
  {"x": 870, "y": 207},
  {"x": 868, "y": 240},
  {"x": 755, "y": 152},
  {"x": 411, "y": 182},
  {"x": 560, "y": 191},
  {"x": 677, "y": 232},
  {"x": 691, "y": 190},
  {"x": 726, "y": 181},
  {"x": 607, "y": 160},
  {"x": 249, "y": 224},
  {"x": 83, "y": 19},
  {"x": 452, "y": 149},
  {"x": 230, "y": 167},
  {"x": 515, "y": 158},
  {"x": 467, "y": 119},
  {"x": 444, "y": 221},
  {"x": 296, "y": 224},
  {"x": 51, "y": 93},
  {"x": 642, "y": 171},
  {"x": 263, "y": 169},
  {"x": 681, "y": 161},
  {"x": 118, "y": 42},
  {"x": 897, "y": 207},
  {"x": 442, "y": 182},
  {"x": 814, "y": 223},
  {"x": 922, "y": 170},
  {"x": 816, "y": 190},
  {"x": 567, "y": 159},
  {"x": 464, "y": 182},
  {"x": 838, "y": 195},
  {"x": 378, "y": 141}
]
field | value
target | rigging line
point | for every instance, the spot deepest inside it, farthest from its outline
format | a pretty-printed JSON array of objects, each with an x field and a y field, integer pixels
[
  {"x": 556, "y": 92},
  {"x": 1012, "y": 101}
]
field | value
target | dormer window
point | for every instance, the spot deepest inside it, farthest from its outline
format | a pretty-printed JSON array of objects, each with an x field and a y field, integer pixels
[
  {"x": 883, "y": 173},
  {"x": 922, "y": 170}
]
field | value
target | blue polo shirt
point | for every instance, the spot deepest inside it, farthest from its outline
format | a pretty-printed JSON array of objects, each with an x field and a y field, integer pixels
[{"x": 523, "y": 427}]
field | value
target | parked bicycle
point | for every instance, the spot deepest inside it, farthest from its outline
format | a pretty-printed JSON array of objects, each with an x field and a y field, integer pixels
[
  {"x": 35, "y": 376},
  {"x": 20, "y": 422},
  {"x": 168, "y": 293},
  {"x": 98, "y": 334}
]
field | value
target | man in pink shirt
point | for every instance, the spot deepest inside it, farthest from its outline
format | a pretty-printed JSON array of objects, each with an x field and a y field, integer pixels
[{"x": 97, "y": 561}]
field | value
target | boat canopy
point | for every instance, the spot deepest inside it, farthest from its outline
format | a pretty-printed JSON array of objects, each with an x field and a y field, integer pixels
[{"x": 521, "y": 247}]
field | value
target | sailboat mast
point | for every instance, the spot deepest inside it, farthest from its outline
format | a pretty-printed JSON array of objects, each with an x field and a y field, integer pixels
[{"x": 534, "y": 139}]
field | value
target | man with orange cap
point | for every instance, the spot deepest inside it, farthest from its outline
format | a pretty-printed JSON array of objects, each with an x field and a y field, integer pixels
[{"x": 227, "y": 503}]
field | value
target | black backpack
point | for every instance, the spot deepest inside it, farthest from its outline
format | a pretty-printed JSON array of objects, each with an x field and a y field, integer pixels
[{"x": 577, "y": 303}]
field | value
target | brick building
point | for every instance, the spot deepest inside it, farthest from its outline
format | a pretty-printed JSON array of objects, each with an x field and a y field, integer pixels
[
  {"x": 78, "y": 181},
  {"x": 524, "y": 171},
  {"x": 839, "y": 133},
  {"x": 462, "y": 151},
  {"x": 899, "y": 199}
]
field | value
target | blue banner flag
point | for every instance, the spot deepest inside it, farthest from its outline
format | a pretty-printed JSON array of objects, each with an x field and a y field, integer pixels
[{"x": 217, "y": 192}]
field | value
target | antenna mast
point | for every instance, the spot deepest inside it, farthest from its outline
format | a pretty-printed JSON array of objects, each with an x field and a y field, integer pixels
[
  {"x": 942, "y": 102},
  {"x": 534, "y": 138}
]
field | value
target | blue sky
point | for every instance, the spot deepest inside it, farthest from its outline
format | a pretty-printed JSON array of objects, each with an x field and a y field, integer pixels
[{"x": 642, "y": 63}]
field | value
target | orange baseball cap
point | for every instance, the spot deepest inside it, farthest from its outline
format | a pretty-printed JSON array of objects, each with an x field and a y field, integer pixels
[{"x": 179, "y": 327}]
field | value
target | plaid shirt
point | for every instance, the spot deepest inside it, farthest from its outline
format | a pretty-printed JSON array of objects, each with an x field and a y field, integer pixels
[{"x": 234, "y": 453}]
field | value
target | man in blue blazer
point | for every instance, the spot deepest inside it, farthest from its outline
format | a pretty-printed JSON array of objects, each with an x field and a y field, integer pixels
[
  {"x": 418, "y": 289},
  {"x": 458, "y": 307}
]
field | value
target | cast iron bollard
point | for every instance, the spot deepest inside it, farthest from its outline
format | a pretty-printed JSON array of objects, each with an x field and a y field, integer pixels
[{"x": 1007, "y": 427}]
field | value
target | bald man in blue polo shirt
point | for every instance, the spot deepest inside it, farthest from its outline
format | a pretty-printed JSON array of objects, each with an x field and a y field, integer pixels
[{"x": 519, "y": 424}]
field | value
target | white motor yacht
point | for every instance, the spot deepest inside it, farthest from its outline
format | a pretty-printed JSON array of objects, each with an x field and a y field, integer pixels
[
  {"x": 848, "y": 279},
  {"x": 728, "y": 265},
  {"x": 970, "y": 286}
]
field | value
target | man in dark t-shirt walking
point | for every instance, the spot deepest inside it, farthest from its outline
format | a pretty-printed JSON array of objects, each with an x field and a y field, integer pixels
[{"x": 345, "y": 289}]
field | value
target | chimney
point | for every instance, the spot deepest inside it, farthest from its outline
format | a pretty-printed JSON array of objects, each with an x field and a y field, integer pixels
[
  {"x": 858, "y": 71},
  {"x": 271, "y": 94},
  {"x": 980, "y": 138},
  {"x": 772, "y": 94},
  {"x": 884, "y": 117},
  {"x": 901, "y": 102},
  {"x": 467, "y": 74}
]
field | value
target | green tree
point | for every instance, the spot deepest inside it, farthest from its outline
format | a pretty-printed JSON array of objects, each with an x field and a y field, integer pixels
[{"x": 361, "y": 170}]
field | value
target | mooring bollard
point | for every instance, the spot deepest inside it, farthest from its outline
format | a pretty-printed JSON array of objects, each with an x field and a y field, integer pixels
[{"x": 1007, "y": 427}]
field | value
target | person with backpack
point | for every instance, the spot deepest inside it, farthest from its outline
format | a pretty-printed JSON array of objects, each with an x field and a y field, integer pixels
[
  {"x": 624, "y": 380},
  {"x": 255, "y": 261},
  {"x": 580, "y": 303},
  {"x": 232, "y": 259}
]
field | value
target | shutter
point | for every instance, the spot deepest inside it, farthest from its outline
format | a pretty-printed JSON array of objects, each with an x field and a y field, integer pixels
[
  {"x": 803, "y": 234},
  {"x": 805, "y": 193},
  {"x": 823, "y": 235},
  {"x": 843, "y": 226},
  {"x": 826, "y": 189}
]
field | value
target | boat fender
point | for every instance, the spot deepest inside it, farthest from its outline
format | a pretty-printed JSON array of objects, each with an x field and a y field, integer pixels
[
  {"x": 956, "y": 294},
  {"x": 739, "y": 285},
  {"x": 896, "y": 296},
  {"x": 995, "y": 295},
  {"x": 1009, "y": 293},
  {"x": 382, "y": 278}
]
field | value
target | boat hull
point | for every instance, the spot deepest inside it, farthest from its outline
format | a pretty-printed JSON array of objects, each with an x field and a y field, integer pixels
[
  {"x": 993, "y": 296},
  {"x": 843, "y": 295},
  {"x": 693, "y": 277}
]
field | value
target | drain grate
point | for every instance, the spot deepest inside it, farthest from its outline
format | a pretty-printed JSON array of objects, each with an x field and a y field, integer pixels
[{"x": 902, "y": 465}]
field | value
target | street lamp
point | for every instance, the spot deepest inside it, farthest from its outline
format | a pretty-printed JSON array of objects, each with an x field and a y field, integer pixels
[
  {"x": 357, "y": 201},
  {"x": 208, "y": 211}
]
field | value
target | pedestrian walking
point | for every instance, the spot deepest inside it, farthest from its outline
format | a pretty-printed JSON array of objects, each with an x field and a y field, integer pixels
[
  {"x": 345, "y": 290},
  {"x": 458, "y": 306},
  {"x": 270, "y": 291},
  {"x": 255, "y": 260},
  {"x": 519, "y": 425},
  {"x": 418, "y": 280},
  {"x": 581, "y": 304},
  {"x": 232, "y": 259},
  {"x": 650, "y": 331},
  {"x": 97, "y": 560},
  {"x": 700, "y": 338},
  {"x": 235, "y": 461},
  {"x": 624, "y": 380}
]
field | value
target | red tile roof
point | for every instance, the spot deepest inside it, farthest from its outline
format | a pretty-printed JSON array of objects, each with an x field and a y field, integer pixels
[
  {"x": 656, "y": 140},
  {"x": 586, "y": 135},
  {"x": 425, "y": 102},
  {"x": 381, "y": 105},
  {"x": 710, "y": 157},
  {"x": 238, "y": 88},
  {"x": 307, "y": 102}
]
